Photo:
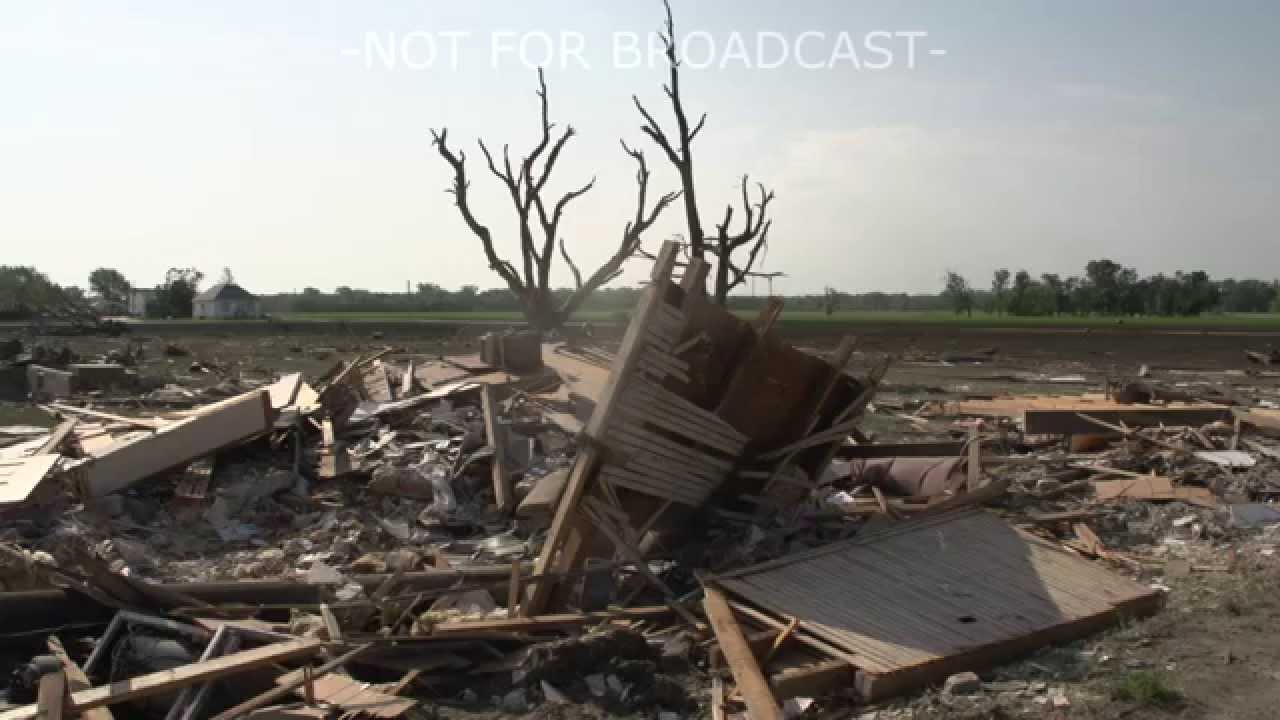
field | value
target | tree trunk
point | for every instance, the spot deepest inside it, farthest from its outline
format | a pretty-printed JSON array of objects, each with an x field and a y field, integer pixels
[{"x": 541, "y": 313}]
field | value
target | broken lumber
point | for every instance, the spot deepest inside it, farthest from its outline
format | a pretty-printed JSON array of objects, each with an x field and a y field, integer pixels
[
  {"x": 542, "y": 499},
  {"x": 167, "y": 680},
  {"x": 76, "y": 679},
  {"x": 1068, "y": 421},
  {"x": 503, "y": 493},
  {"x": 57, "y": 437},
  {"x": 282, "y": 690},
  {"x": 737, "y": 653},
  {"x": 19, "y": 478}
]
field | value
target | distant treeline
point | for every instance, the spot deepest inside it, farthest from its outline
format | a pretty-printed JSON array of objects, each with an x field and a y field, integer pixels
[
  {"x": 1105, "y": 288},
  {"x": 429, "y": 297},
  {"x": 1108, "y": 288}
]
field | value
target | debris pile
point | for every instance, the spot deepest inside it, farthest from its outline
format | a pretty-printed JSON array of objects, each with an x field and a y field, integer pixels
[{"x": 693, "y": 524}]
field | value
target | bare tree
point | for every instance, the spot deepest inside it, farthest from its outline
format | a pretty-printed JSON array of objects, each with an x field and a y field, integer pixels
[
  {"x": 754, "y": 234},
  {"x": 538, "y": 223}
]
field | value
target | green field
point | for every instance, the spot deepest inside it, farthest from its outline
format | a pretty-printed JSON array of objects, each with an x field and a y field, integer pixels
[{"x": 802, "y": 318}]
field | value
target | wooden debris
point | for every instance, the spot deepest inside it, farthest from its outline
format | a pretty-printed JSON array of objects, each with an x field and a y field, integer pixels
[
  {"x": 751, "y": 682},
  {"x": 285, "y": 688},
  {"x": 503, "y": 492},
  {"x": 1009, "y": 593},
  {"x": 76, "y": 679},
  {"x": 20, "y": 478},
  {"x": 210, "y": 429},
  {"x": 1151, "y": 487},
  {"x": 168, "y": 680}
]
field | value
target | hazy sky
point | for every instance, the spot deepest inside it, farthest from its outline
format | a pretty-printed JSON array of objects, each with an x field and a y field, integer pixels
[{"x": 289, "y": 139}]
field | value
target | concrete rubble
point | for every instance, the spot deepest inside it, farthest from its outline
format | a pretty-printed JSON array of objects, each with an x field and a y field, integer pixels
[{"x": 647, "y": 529}]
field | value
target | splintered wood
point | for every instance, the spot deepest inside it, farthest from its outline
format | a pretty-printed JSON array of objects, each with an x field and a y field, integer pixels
[
  {"x": 915, "y": 603},
  {"x": 693, "y": 393}
]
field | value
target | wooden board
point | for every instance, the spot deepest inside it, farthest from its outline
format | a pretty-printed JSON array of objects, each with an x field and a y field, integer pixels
[
  {"x": 503, "y": 491},
  {"x": 924, "y": 599},
  {"x": 284, "y": 391},
  {"x": 891, "y": 450},
  {"x": 737, "y": 653},
  {"x": 18, "y": 478},
  {"x": 176, "y": 444},
  {"x": 158, "y": 683},
  {"x": 1152, "y": 487},
  {"x": 1069, "y": 422},
  {"x": 1057, "y": 414}
]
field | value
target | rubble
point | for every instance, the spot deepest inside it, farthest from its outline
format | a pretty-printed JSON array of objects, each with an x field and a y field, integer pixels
[{"x": 697, "y": 522}]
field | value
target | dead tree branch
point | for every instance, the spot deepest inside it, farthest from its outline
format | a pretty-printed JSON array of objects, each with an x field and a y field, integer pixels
[
  {"x": 754, "y": 235},
  {"x": 526, "y": 185}
]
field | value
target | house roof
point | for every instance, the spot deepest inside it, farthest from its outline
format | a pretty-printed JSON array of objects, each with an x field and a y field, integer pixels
[{"x": 225, "y": 291}]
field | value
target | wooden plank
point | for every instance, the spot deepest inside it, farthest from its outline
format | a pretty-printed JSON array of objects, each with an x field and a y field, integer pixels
[
  {"x": 503, "y": 492},
  {"x": 212, "y": 428},
  {"x": 331, "y": 624},
  {"x": 913, "y": 449},
  {"x": 543, "y": 623},
  {"x": 812, "y": 680},
  {"x": 974, "y": 462},
  {"x": 158, "y": 683},
  {"x": 144, "y": 423},
  {"x": 76, "y": 679},
  {"x": 737, "y": 653},
  {"x": 19, "y": 478},
  {"x": 1068, "y": 422},
  {"x": 1152, "y": 487},
  {"x": 52, "y": 693}
]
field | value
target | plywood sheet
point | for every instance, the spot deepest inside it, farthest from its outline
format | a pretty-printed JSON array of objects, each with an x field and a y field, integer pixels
[{"x": 581, "y": 372}]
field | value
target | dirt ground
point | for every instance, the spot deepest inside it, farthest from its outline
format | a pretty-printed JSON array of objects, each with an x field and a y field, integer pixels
[{"x": 1214, "y": 650}]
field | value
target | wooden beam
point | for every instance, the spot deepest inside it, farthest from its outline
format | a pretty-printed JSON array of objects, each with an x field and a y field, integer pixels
[
  {"x": 51, "y": 697},
  {"x": 1069, "y": 422},
  {"x": 761, "y": 704},
  {"x": 812, "y": 680},
  {"x": 76, "y": 679},
  {"x": 974, "y": 463},
  {"x": 158, "y": 683},
  {"x": 503, "y": 492},
  {"x": 1267, "y": 424}
]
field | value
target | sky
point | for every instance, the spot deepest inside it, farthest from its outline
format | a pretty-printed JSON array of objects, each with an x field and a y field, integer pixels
[{"x": 289, "y": 140}]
